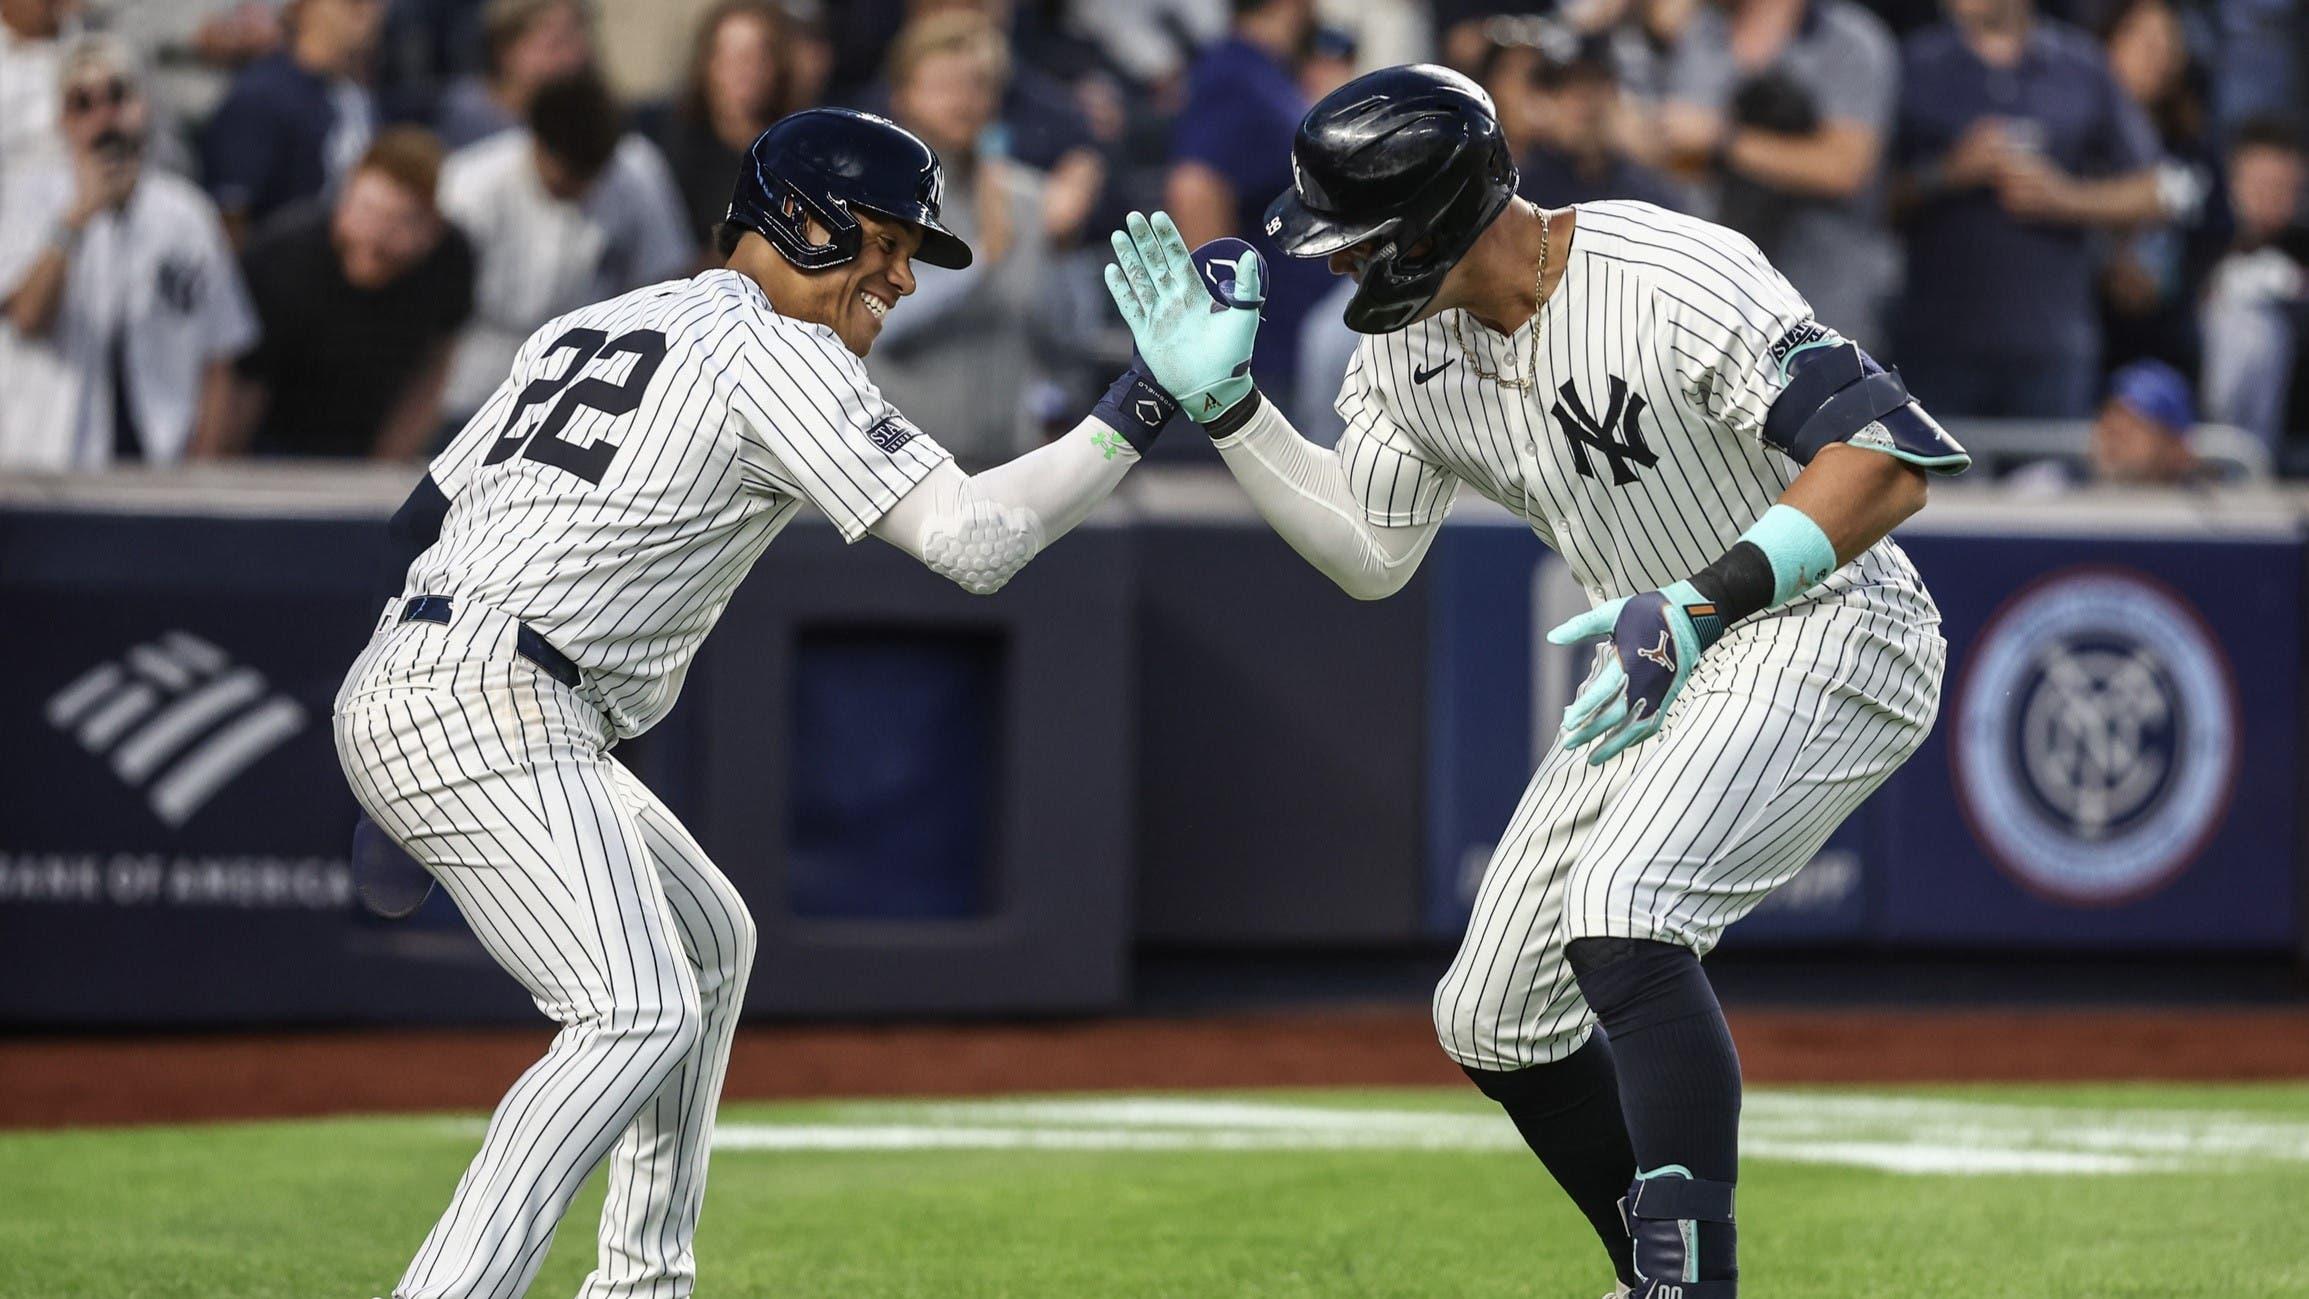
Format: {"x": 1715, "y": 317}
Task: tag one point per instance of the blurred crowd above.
{"x": 322, "y": 227}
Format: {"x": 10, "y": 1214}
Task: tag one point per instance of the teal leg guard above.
{"x": 1683, "y": 1236}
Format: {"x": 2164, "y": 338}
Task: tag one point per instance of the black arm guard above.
{"x": 1837, "y": 393}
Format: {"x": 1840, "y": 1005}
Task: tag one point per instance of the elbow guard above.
{"x": 1838, "y": 393}
{"x": 981, "y": 544}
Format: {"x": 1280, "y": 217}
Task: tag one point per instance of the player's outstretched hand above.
{"x": 1197, "y": 340}
{"x": 1655, "y": 637}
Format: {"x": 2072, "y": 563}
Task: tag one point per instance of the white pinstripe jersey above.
{"x": 1637, "y": 454}
{"x": 626, "y": 475}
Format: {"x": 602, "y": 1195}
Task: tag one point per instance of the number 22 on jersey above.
{"x": 544, "y": 442}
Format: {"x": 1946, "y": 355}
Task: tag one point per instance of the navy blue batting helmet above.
{"x": 1412, "y": 157}
{"x": 819, "y": 164}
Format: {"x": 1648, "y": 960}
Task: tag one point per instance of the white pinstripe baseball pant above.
{"x": 1786, "y": 725}
{"x": 585, "y": 888}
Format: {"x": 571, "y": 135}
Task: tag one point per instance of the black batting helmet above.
{"x": 1412, "y": 157}
{"x": 820, "y": 163}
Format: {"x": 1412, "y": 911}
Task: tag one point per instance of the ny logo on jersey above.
{"x": 1619, "y": 435}
{"x": 178, "y": 284}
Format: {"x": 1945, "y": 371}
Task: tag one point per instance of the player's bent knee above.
{"x": 1592, "y": 954}
{"x": 1620, "y": 977}
{"x": 683, "y": 1027}
{"x": 749, "y": 941}
{"x": 656, "y": 1025}
{"x": 728, "y": 977}
{"x": 1463, "y": 1038}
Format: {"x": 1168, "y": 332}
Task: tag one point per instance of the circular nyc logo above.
{"x": 2096, "y": 736}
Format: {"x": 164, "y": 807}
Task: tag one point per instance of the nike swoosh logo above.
{"x": 1422, "y": 376}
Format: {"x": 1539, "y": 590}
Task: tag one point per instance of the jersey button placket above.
{"x": 1532, "y": 467}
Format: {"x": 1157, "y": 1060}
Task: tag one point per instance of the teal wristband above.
{"x": 1800, "y": 553}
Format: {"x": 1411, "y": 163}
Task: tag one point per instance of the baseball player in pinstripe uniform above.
{"x": 573, "y": 545}
{"x": 1720, "y": 471}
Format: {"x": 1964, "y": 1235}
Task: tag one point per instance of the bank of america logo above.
{"x": 176, "y": 719}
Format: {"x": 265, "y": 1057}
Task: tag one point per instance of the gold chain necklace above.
{"x": 1531, "y": 365}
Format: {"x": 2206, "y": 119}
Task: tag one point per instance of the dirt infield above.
{"x": 60, "y": 1081}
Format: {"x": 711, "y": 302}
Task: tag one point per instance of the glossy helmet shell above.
{"x": 821, "y": 163}
{"x": 1412, "y": 157}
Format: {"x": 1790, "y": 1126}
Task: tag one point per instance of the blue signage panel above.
{"x": 176, "y": 846}
{"x": 2114, "y": 764}
{"x": 2115, "y": 759}
{"x": 1480, "y": 684}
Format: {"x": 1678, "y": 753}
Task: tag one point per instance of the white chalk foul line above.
{"x": 1892, "y": 1134}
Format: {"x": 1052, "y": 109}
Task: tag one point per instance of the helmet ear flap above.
{"x": 1406, "y": 274}
{"x": 786, "y": 224}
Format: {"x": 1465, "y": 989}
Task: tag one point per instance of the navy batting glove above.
{"x": 1136, "y": 407}
{"x": 1655, "y": 637}
{"x": 1222, "y": 264}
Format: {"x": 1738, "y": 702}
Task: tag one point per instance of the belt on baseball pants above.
{"x": 526, "y": 642}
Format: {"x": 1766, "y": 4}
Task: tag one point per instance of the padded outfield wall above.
{"x": 1168, "y": 731}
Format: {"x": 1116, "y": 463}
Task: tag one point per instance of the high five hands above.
{"x": 1194, "y": 316}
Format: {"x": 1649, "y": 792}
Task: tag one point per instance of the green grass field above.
{"x": 2010, "y": 1193}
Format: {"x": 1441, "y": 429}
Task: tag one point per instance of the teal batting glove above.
{"x": 1655, "y": 637}
{"x": 1198, "y": 345}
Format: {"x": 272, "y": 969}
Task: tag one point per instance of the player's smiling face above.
{"x": 865, "y": 289}
{"x": 851, "y": 299}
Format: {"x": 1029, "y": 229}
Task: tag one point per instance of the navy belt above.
{"x": 526, "y": 642}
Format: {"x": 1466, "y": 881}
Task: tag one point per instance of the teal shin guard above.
{"x": 1684, "y": 1238}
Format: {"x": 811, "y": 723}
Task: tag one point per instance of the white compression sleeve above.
{"x": 980, "y": 529}
{"x": 1302, "y": 491}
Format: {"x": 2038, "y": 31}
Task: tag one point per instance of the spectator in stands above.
{"x": 1783, "y": 108}
{"x": 1329, "y": 63}
{"x": 1509, "y": 73}
{"x": 293, "y": 122}
{"x": 124, "y": 309}
{"x": 809, "y": 52}
{"x": 361, "y": 301}
{"x": 2264, "y": 48}
{"x": 1231, "y": 155}
{"x": 972, "y": 333}
{"x": 1044, "y": 122}
{"x": 1645, "y": 35}
{"x": 2254, "y": 308}
{"x": 2151, "y": 278}
{"x": 1150, "y": 42}
{"x": 2016, "y": 147}
{"x": 30, "y": 50}
{"x": 195, "y": 47}
{"x": 525, "y": 44}
{"x": 1560, "y": 103}
{"x": 2141, "y": 437}
{"x": 737, "y": 85}
{"x": 568, "y": 211}
{"x": 423, "y": 47}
